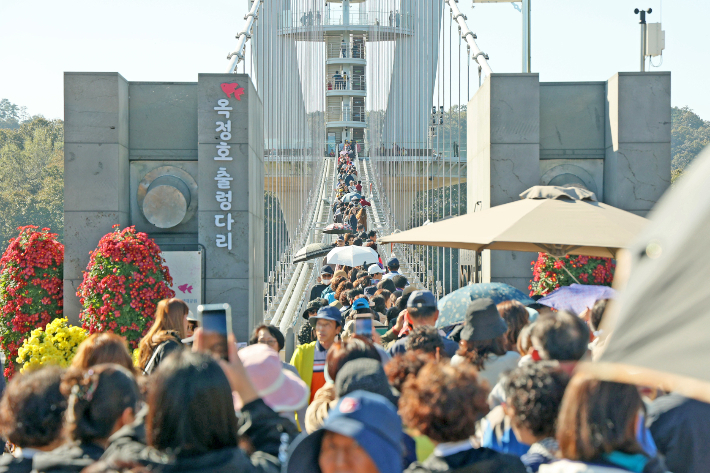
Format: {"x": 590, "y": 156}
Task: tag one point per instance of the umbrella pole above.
{"x": 567, "y": 270}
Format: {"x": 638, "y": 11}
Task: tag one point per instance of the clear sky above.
{"x": 160, "y": 40}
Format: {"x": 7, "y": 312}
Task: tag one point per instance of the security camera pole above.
{"x": 643, "y": 35}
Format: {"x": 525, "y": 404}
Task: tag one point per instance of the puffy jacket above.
{"x": 68, "y": 458}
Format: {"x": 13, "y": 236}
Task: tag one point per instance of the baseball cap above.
{"x": 326, "y": 270}
{"x": 421, "y": 300}
{"x": 361, "y": 304}
{"x": 374, "y": 269}
{"x": 369, "y": 419}
{"x": 370, "y": 291}
{"x": 327, "y": 313}
{"x": 392, "y": 262}
{"x": 483, "y": 321}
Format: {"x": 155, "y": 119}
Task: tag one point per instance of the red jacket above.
{"x": 359, "y": 188}
{"x": 365, "y": 203}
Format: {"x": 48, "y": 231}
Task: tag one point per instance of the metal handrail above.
{"x": 317, "y": 18}
{"x": 334, "y": 82}
{"x": 349, "y": 51}
{"x": 345, "y": 114}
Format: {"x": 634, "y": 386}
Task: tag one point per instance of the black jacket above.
{"x": 10, "y": 464}
{"x": 316, "y": 291}
{"x": 681, "y": 429}
{"x": 128, "y": 445}
{"x": 228, "y": 460}
{"x": 266, "y": 431}
{"x": 68, "y": 458}
{"x": 475, "y": 460}
{"x": 162, "y": 352}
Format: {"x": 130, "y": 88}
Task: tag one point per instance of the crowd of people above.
{"x": 372, "y": 387}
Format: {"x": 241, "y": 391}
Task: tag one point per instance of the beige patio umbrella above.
{"x": 554, "y": 220}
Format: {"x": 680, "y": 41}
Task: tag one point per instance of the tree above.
{"x": 11, "y": 115}
{"x": 32, "y": 177}
{"x": 689, "y": 135}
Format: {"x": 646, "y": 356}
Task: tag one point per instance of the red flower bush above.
{"x": 124, "y": 281}
{"x": 549, "y": 273}
{"x": 31, "y": 288}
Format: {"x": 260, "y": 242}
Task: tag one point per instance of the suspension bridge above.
{"x": 390, "y": 76}
{"x": 235, "y": 173}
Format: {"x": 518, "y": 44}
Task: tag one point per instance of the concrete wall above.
{"x": 637, "y": 166}
{"x": 504, "y": 159}
{"x": 612, "y": 137}
{"x": 116, "y": 132}
{"x": 95, "y": 170}
{"x": 233, "y": 275}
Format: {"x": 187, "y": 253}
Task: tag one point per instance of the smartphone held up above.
{"x": 216, "y": 326}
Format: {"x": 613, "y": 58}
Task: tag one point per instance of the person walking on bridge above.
{"x": 362, "y": 218}
{"x": 309, "y": 359}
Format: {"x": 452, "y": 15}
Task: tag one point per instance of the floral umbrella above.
{"x": 452, "y": 307}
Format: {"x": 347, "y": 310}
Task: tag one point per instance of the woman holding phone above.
{"x": 165, "y": 336}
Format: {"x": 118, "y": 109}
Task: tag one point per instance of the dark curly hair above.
{"x": 425, "y": 338}
{"x": 406, "y": 366}
{"x": 534, "y": 392}
{"x": 32, "y": 408}
{"x": 342, "y": 288}
{"x": 444, "y": 402}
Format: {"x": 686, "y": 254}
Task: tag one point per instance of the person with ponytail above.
{"x": 31, "y": 417}
{"x": 165, "y": 336}
{"x": 101, "y": 400}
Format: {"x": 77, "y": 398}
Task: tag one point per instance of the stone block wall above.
{"x": 612, "y": 137}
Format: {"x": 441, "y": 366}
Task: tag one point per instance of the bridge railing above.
{"x": 336, "y": 82}
{"x": 345, "y": 114}
{"x": 354, "y": 51}
{"x": 324, "y": 18}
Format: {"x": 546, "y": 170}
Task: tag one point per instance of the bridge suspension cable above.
{"x": 383, "y": 75}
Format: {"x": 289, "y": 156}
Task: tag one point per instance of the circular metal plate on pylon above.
{"x": 167, "y": 196}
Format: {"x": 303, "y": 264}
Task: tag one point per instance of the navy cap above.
{"x": 421, "y": 300}
{"x": 327, "y": 313}
{"x": 370, "y": 291}
{"x": 392, "y": 262}
{"x": 368, "y": 418}
{"x": 326, "y": 270}
{"x": 361, "y": 304}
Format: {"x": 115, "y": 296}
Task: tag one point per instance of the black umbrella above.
{"x": 314, "y": 250}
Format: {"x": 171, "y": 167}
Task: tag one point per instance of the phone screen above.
{"x": 363, "y": 326}
{"x": 215, "y": 327}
